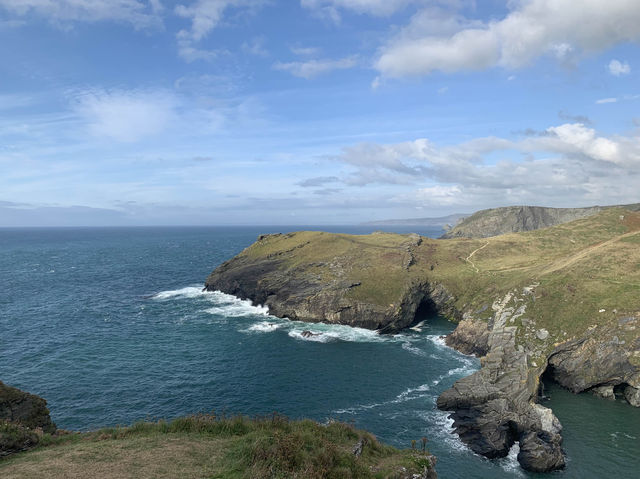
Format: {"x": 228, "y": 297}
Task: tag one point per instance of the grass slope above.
{"x": 206, "y": 446}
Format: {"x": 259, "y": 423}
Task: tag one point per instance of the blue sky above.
{"x": 140, "y": 112}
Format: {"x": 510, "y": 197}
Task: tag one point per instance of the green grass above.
{"x": 216, "y": 447}
{"x": 581, "y": 267}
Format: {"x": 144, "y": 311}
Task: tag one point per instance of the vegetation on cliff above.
{"x": 215, "y": 447}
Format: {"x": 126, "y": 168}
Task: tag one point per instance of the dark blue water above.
{"x": 110, "y": 325}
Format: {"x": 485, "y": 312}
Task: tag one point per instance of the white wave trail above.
{"x": 188, "y": 292}
{"x": 262, "y": 327}
{"x": 510, "y": 463}
{"x": 437, "y": 340}
{"x": 326, "y": 333}
{"x": 222, "y": 304}
{"x": 406, "y": 395}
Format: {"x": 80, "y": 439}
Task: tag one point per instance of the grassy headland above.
{"x": 206, "y": 446}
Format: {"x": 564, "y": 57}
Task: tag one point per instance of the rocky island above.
{"x": 562, "y": 300}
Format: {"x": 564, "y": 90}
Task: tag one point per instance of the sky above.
{"x": 230, "y": 112}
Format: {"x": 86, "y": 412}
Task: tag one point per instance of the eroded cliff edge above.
{"x": 564, "y": 298}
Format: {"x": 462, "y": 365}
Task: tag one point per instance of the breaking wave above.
{"x": 223, "y": 304}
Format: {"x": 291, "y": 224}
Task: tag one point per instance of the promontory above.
{"x": 563, "y": 300}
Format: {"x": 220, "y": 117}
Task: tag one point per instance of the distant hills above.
{"x": 441, "y": 221}
{"x": 514, "y": 219}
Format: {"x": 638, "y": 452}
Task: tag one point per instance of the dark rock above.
{"x": 541, "y": 452}
{"x": 25, "y": 409}
{"x": 598, "y": 359}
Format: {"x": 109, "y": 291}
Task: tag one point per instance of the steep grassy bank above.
{"x": 206, "y": 446}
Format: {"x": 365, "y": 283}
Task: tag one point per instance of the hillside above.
{"x": 514, "y": 219}
{"x": 441, "y": 221}
{"x": 567, "y": 297}
{"x": 212, "y": 447}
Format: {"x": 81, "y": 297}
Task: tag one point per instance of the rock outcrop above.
{"x": 600, "y": 360}
{"x": 23, "y": 419}
{"x": 23, "y": 408}
{"x": 495, "y": 407}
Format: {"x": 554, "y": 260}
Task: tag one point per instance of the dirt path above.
{"x": 565, "y": 262}
{"x": 468, "y": 258}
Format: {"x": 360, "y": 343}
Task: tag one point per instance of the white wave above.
{"x": 325, "y": 333}
{"x": 407, "y": 346}
{"x": 438, "y": 340}
{"x": 238, "y": 310}
{"x": 188, "y": 292}
{"x": 406, "y": 395}
{"x": 223, "y": 304}
{"x": 409, "y": 394}
{"x": 315, "y": 337}
{"x": 262, "y": 327}
{"x": 510, "y": 463}
{"x": 444, "y": 430}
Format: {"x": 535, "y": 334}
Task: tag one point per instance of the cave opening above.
{"x": 426, "y": 311}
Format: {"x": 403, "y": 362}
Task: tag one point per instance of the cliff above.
{"x": 514, "y": 219}
{"x": 563, "y": 299}
{"x": 24, "y": 418}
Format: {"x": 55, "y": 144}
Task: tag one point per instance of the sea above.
{"x": 111, "y": 326}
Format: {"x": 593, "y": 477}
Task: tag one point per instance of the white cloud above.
{"x": 569, "y": 164}
{"x": 438, "y": 194}
{"x": 374, "y": 7}
{"x": 139, "y": 13}
{"x": 256, "y": 46}
{"x": 531, "y": 29}
{"x": 205, "y": 15}
{"x": 305, "y": 51}
{"x": 312, "y": 68}
{"x": 603, "y": 101}
{"x": 617, "y": 68}
{"x": 125, "y": 116}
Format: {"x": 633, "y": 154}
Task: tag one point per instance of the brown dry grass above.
{"x": 129, "y": 458}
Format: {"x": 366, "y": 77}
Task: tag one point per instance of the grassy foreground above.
{"x": 206, "y": 446}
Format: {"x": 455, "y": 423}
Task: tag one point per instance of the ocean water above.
{"x": 110, "y": 325}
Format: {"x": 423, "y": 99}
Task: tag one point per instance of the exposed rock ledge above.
{"x": 532, "y": 320}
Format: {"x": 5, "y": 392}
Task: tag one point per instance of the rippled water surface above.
{"x": 111, "y": 326}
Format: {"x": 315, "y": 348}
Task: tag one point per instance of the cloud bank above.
{"x": 532, "y": 29}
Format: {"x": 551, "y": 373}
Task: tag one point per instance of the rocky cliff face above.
{"x": 23, "y": 417}
{"x": 563, "y": 300}
{"x": 514, "y": 219}
{"x": 25, "y": 409}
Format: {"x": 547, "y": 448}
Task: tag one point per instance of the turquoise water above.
{"x": 110, "y": 325}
